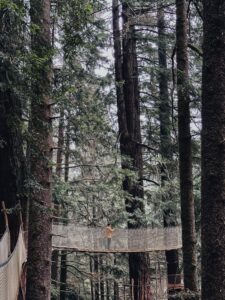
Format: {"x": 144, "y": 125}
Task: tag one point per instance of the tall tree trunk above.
{"x": 213, "y": 151}
{"x": 102, "y": 285}
{"x": 63, "y": 267}
{"x": 118, "y": 75}
{"x": 115, "y": 284}
{"x": 91, "y": 279}
{"x": 63, "y": 275}
{"x": 130, "y": 137}
{"x": 96, "y": 271}
{"x": 107, "y": 289}
{"x": 165, "y": 138}
{"x": 59, "y": 158}
{"x": 185, "y": 151}
{"x": 138, "y": 262}
{"x": 39, "y": 237}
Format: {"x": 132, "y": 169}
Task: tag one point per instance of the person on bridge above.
{"x": 108, "y": 233}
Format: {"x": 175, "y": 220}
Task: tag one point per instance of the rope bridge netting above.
{"x": 94, "y": 239}
{"x": 11, "y": 266}
{"x": 86, "y": 239}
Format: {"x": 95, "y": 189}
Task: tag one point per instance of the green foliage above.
{"x": 84, "y": 89}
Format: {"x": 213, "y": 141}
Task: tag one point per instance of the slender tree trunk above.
{"x": 63, "y": 267}
{"x": 213, "y": 151}
{"x": 115, "y": 284}
{"x": 96, "y": 271}
{"x": 185, "y": 151}
{"x": 91, "y": 271}
{"x": 102, "y": 285}
{"x": 165, "y": 137}
{"x": 130, "y": 136}
{"x": 118, "y": 75}
{"x": 39, "y": 238}
{"x": 59, "y": 158}
{"x": 107, "y": 289}
{"x": 63, "y": 275}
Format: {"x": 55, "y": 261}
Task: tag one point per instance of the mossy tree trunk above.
{"x": 39, "y": 236}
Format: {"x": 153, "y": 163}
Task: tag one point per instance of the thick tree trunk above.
{"x": 39, "y": 237}
{"x": 185, "y": 151}
{"x": 126, "y": 72}
{"x": 213, "y": 151}
{"x": 138, "y": 262}
{"x": 165, "y": 138}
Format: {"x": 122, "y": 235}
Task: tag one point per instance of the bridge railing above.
{"x": 94, "y": 239}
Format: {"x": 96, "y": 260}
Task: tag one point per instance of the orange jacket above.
{"x": 108, "y": 232}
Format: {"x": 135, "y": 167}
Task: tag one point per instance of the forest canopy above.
{"x": 112, "y": 125}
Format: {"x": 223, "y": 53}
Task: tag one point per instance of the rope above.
{"x": 94, "y": 239}
{"x": 11, "y": 269}
{"x": 5, "y": 246}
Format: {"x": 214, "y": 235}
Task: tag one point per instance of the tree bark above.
{"x": 102, "y": 285}
{"x": 59, "y": 158}
{"x": 39, "y": 237}
{"x": 213, "y": 151}
{"x": 126, "y": 72}
{"x": 138, "y": 262}
{"x": 115, "y": 283}
{"x": 185, "y": 151}
{"x": 91, "y": 278}
{"x": 165, "y": 140}
{"x": 63, "y": 267}
{"x": 118, "y": 74}
{"x": 96, "y": 271}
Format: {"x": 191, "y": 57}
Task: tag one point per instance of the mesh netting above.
{"x": 11, "y": 269}
{"x": 5, "y": 246}
{"x": 94, "y": 239}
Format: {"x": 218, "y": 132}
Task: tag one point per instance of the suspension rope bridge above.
{"x": 81, "y": 239}
{"x": 94, "y": 239}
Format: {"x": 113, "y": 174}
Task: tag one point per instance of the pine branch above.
{"x": 194, "y": 48}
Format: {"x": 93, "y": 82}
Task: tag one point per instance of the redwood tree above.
{"x": 185, "y": 151}
{"x": 39, "y": 238}
{"x": 213, "y": 151}
{"x": 126, "y": 73}
{"x": 165, "y": 138}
